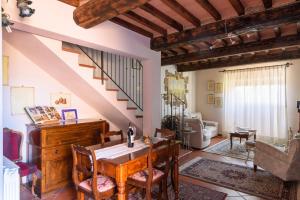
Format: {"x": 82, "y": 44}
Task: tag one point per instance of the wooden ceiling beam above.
{"x": 180, "y": 10}
{"x": 240, "y": 61}
{"x": 267, "y": 19}
{"x": 162, "y": 16}
{"x": 261, "y": 45}
{"x": 238, "y": 6}
{"x": 132, "y": 27}
{"x": 267, "y": 4}
{"x": 210, "y": 9}
{"x": 74, "y": 3}
{"x": 146, "y": 22}
{"x": 97, "y": 11}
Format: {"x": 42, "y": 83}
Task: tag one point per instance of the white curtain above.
{"x": 256, "y": 98}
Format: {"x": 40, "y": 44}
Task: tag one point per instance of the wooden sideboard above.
{"x": 49, "y": 147}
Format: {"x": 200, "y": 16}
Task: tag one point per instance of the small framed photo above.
{"x": 69, "y": 114}
{"x": 218, "y": 102}
{"x": 211, "y": 85}
{"x": 60, "y": 99}
{"x": 211, "y": 99}
{"x": 219, "y": 88}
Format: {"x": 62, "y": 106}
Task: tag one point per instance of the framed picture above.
{"x": 5, "y": 69}
{"x": 211, "y": 99}
{"x": 219, "y": 88}
{"x": 21, "y": 97}
{"x": 69, "y": 114}
{"x": 60, "y": 99}
{"x": 218, "y": 102}
{"x": 211, "y": 85}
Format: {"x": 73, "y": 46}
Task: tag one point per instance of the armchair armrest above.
{"x": 271, "y": 150}
{"x": 210, "y": 123}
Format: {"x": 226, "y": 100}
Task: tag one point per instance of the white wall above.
{"x": 191, "y": 95}
{"x": 23, "y": 72}
{"x": 209, "y": 112}
{"x": 54, "y": 19}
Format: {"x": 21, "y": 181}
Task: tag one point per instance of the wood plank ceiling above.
{"x": 202, "y": 34}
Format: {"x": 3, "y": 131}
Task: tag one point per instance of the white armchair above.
{"x": 203, "y": 131}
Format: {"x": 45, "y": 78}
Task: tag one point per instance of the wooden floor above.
{"x": 68, "y": 193}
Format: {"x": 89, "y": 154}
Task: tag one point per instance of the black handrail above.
{"x": 138, "y": 66}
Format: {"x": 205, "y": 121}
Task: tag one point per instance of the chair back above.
{"x": 160, "y": 152}
{"x": 12, "y": 144}
{"x": 108, "y": 134}
{"x": 165, "y": 133}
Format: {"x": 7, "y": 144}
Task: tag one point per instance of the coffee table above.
{"x": 242, "y": 134}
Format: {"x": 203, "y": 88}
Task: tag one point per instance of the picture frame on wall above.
{"x": 218, "y": 102}
{"x": 210, "y": 85}
{"x": 60, "y": 99}
{"x": 69, "y": 114}
{"x": 219, "y": 88}
{"x": 211, "y": 99}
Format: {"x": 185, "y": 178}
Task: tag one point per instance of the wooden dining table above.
{"x": 122, "y": 167}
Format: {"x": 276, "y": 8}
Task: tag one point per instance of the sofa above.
{"x": 202, "y": 130}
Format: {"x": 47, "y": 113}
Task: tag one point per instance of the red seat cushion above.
{"x": 26, "y": 168}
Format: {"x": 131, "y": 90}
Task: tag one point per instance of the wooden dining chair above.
{"x": 86, "y": 178}
{"x": 165, "y": 133}
{"x": 107, "y": 135}
{"x": 150, "y": 176}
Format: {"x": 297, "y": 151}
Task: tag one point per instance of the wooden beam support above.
{"x": 132, "y": 27}
{"x": 180, "y": 10}
{"x": 74, "y": 3}
{"x": 240, "y": 61}
{"x": 261, "y": 45}
{"x": 267, "y": 4}
{"x": 238, "y": 6}
{"x": 267, "y": 19}
{"x": 146, "y": 22}
{"x": 162, "y": 16}
{"x": 210, "y": 9}
{"x": 97, "y": 11}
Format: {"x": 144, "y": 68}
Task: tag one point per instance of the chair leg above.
{"x": 80, "y": 195}
{"x": 34, "y": 179}
{"x": 160, "y": 190}
{"x": 148, "y": 194}
{"x": 255, "y": 168}
{"x": 165, "y": 188}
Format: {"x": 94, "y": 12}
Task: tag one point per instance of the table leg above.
{"x": 230, "y": 142}
{"x": 121, "y": 190}
{"x": 176, "y": 178}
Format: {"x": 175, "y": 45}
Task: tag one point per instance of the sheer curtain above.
{"x": 256, "y": 98}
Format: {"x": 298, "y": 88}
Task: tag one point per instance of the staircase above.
{"x": 120, "y": 74}
{"x": 102, "y": 90}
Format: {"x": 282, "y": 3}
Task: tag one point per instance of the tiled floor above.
{"x": 68, "y": 193}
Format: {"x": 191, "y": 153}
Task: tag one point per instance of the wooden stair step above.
{"x": 131, "y": 108}
{"x": 139, "y": 116}
{"x": 99, "y": 78}
{"x": 112, "y": 89}
{"x": 122, "y": 99}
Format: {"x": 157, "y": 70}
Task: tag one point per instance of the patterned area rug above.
{"x": 187, "y": 191}
{"x": 239, "y": 178}
{"x": 238, "y": 149}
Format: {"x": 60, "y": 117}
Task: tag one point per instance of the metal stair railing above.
{"x": 172, "y": 112}
{"x": 124, "y": 72}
